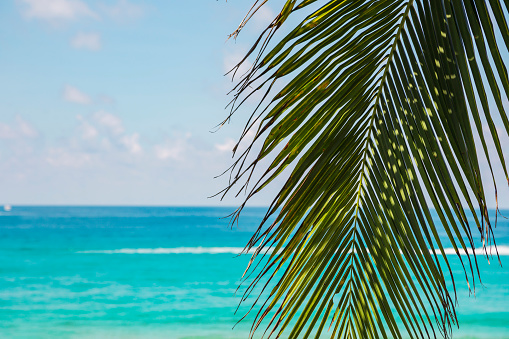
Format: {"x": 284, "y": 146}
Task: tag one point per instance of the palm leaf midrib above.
{"x": 360, "y": 186}
{"x": 374, "y": 109}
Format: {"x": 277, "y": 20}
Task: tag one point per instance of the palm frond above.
{"x": 380, "y": 107}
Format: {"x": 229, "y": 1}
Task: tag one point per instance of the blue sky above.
{"x": 111, "y": 101}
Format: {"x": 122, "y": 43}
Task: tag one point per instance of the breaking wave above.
{"x": 502, "y": 250}
{"x": 176, "y": 250}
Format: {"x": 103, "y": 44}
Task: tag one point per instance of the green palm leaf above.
{"x": 381, "y": 102}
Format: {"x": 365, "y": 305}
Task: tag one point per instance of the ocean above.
{"x": 163, "y": 272}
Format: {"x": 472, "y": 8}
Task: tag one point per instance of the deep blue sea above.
{"x": 162, "y": 272}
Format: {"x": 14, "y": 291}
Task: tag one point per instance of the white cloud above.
{"x": 72, "y": 94}
{"x": 174, "y": 149}
{"x": 131, "y": 142}
{"x": 109, "y": 121}
{"x": 90, "y": 41}
{"x": 106, "y": 132}
{"x": 167, "y": 152}
{"x": 227, "y": 146}
{"x": 62, "y": 157}
{"x": 263, "y": 17}
{"x": 106, "y": 99}
{"x": 231, "y": 60}
{"x": 18, "y": 130}
{"x": 101, "y": 161}
{"x": 6, "y": 131}
{"x": 123, "y": 11}
{"x": 87, "y": 130}
{"x": 26, "y": 130}
{"x": 54, "y": 11}
{"x": 98, "y": 139}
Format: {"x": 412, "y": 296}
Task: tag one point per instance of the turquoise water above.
{"x": 140, "y": 272}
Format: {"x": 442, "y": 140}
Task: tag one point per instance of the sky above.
{"x": 111, "y": 102}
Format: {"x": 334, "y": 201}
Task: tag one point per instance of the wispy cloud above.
{"x": 102, "y": 161}
{"x": 132, "y": 143}
{"x": 123, "y": 11}
{"x": 63, "y": 157}
{"x": 87, "y": 130}
{"x": 175, "y": 148}
{"x": 112, "y": 123}
{"x": 106, "y": 99}
{"x": 56, "y": 11}
{"x": 72, "y": 94}
{"x": 227, "y": 146}
{"x": 90, "y": 41}
{"x": 263, "y": 17}
{"x": 98, "y": 139}
{"x": 232, "y": 58}
{"x": 6, "y": 131}
{"x": 20, "y": 129}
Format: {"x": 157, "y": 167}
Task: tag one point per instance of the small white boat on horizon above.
{"x": 7, "y": 208}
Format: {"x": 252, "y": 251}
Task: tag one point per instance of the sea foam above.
{"x": 176, "y": 250}
{"x": 490, "y": 250}
{"x": 502, "y": 250}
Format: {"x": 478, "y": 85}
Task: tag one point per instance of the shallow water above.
{"x": 140, "y": 272}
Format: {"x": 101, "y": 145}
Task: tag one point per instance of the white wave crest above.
{"x": 176, "y": 250}
{"x": 491, "y": 250}
{"x": 502, "y": 250}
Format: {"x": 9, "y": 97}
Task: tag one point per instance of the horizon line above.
{"x": 492, "y": 208}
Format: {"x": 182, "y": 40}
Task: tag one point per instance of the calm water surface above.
{"x": 140, "y": 272}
